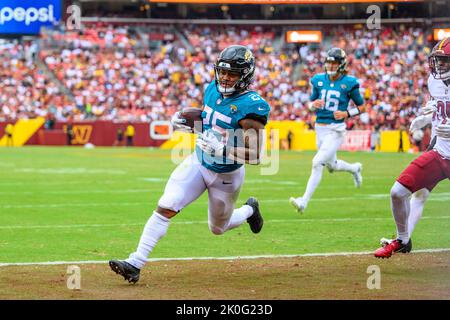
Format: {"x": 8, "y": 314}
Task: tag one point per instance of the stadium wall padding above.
{"x": 23, "y": 130}
{"x": 104, "y": 133}
{"x": 99, "y": 133}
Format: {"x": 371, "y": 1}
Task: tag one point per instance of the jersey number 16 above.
{"x": 331, "y": 98}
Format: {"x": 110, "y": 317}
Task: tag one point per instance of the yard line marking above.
{"x": 70, "y": 171}
{"x": 299, "y": 220}
{"x": 438, "y": 197}
{"x": 79, "y": 191}
{"x": 63, "y": 205}
{"x": 269, "y": 256}
{"x": 154, "y": 179}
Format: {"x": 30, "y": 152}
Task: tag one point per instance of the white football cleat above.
{"x": 298, "y": 203}
{"x": 357, "y": 176}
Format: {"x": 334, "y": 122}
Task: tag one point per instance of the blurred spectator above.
{"x": 375, "y": 138}
{"x": 129, "y": 133}
{"x": 290, "y": 136}
{"x": 68, "y": 130}
{"x": 119, "y": 137}
{"x": 9, "y": 131}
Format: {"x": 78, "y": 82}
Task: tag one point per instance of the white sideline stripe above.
{"x": 331, "y": 254}
{"x": 71, "y": 192}
{"x": 443, "y": 196}
{"x": 99, "y": 225}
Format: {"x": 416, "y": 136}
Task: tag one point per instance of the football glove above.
{"x": 313, "y": 106}
{"x": 430, "y": 107}
{"x": 419, "y": 122}
{"x": 443, "y": 131}
{"x": 210, "y": 144}
{"x": 179, "y": 123}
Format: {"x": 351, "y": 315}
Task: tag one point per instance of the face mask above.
{"x": 331, "y": 73}
{"x": 225, "y": 91}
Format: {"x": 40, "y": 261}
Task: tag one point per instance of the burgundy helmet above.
{"x": 439, "y": 60}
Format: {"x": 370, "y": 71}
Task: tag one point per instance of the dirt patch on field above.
{"x": 410, "y": 276}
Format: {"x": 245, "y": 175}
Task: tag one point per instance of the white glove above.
{"x": 313, "y": 106}
{"x": 430, "y": 107}
{"x": 420, "y": 122}
{"x": 179, "y": 123}
{"x": 443, "y": 131}
{"x": 210, "y": 144}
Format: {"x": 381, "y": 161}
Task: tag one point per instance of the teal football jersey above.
{"x": 336, "y": 94}
{"x": 221, "y": 115}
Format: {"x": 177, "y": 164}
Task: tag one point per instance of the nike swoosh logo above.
{"x": 224, "y": 182}
{"x": 261, "y": 109}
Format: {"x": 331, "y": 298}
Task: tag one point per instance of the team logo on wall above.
{"x": 81, "y": 134}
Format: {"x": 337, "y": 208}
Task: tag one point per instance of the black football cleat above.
{"x": 256, "y": 220}
{"x": 126, "y": 270}
{"x": 406, "y": 248}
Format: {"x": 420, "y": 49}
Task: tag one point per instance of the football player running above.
{"x": 330, "y": 98}
{"x": 233, "y": 121}
{"x": 433, "y": 166}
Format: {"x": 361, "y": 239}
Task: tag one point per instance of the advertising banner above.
{"x": 28, "y": 16}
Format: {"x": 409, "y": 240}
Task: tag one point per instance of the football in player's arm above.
{"x": 233, "y": 118}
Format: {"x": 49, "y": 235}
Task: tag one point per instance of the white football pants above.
{"x": 328, "y": 138}
{"x": 188, "y": 182}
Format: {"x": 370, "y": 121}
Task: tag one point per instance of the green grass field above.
{"x": 75, "y": 204}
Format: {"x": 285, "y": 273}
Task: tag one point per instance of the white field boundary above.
{"x": 436, "y": 197}
{"x": 330, "y": 254}
{"x": 299, "y": 220}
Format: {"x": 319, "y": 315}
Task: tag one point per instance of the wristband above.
{"x": 353, "y": 112}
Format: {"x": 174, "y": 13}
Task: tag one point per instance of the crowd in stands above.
{"x": 113, "y": 73}
{"x": 25, "y": 91}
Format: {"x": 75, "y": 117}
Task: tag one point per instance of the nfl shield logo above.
{"x": 320, "y": 83}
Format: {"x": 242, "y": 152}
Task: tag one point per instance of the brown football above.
{"x": 193, "y": 117}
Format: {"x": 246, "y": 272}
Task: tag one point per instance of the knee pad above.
{"x": 318, "y": 163}
{"x": 216, "y": 230}
{"x": 331, "y": 166}
{"x": 398, "y": 191}
{"x": 421, "y": 195}
{"x": 170, "y": 201}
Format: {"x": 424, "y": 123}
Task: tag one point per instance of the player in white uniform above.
{"x": 233, "y": 120}
{"x": 433, "y": 166}
{"x": 331, "y": 94}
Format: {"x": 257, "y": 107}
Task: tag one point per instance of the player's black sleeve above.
{"x": 432, "y": 143}
{"x": 256, "y": 117}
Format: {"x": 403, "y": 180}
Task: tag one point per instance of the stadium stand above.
{"x": 137, "y": 73}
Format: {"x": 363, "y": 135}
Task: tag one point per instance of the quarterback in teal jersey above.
{"x": 233, "y": 121}
{"x": 331, "y": 93}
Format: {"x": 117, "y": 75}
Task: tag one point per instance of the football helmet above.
{"x": 439, "y": 60}
{"x": 237, "y": 59}
{"x": 336, "y": 55}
